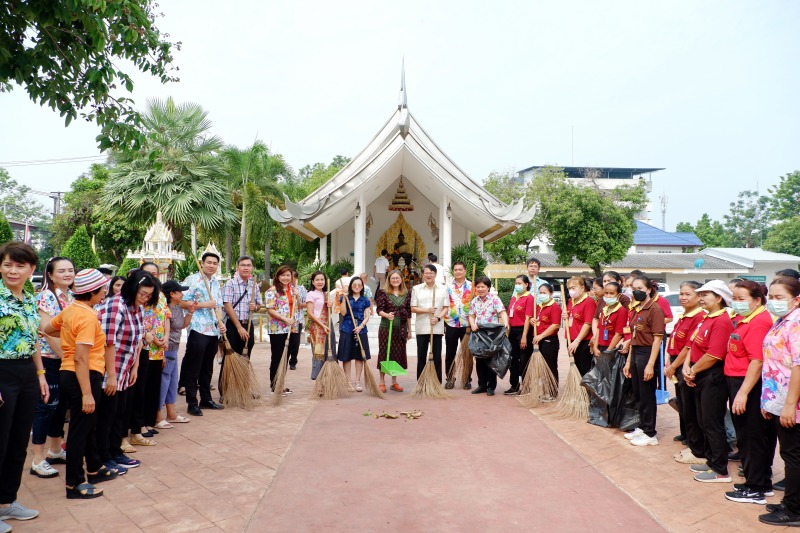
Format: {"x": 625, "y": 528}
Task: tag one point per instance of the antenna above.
{"x": 572, "y": 145}
{"x": 664, "y": 200}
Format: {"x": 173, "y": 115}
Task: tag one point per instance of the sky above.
{"x": 707, "y": 90}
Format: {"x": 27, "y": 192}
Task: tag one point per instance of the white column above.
{"x": 323, "y": 249}
{"x": 360, "y": 236}
{"x": 479, "y": 241}
{"x": 445, "y": 234}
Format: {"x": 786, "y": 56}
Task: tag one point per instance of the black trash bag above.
{"x": 599, "y": 383}
{"x": 488, "y": 341}
{"x": 623, "y": 411}
{"x": 501, "y": 360}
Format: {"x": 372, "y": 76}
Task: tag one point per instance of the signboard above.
{"x": 760, "y": 279}
{"x": 501, "y": 271}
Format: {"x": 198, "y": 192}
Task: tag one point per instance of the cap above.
{"x": 88, "y": 280}
{"x": 173, "y": 286}
{"x": 720, "y": 288}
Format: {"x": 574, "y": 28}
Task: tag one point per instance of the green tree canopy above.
{"x": 6, "y": 234}
{"x": 712, "y": 233}
{"x": 785, "y": 197}
{"x": 79, "y": 249}
{"x": 785, "y": 237}
{"x": 748, "y": 219}
{"x": 66, "y": 54}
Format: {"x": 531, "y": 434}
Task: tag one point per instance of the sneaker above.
{"x": 772, "y": 507}
{"x": 644, "y": 440}
{"x": 59, "y": 458}
{"x": 4, "y": 528}
{"x": 17, "y": 512}
{"x": 709, "y": 476}
{"x": 513, "y": 391}
{"x": 127, "y": 462}
{"x": 746, "y": 496}
{"x": 699, "y": 468}
{"x": 43, "y": 469}
{"x": 780, "y": 517}
{"x": 633, "y": 434}
{"x": 679, "y": 438}
{"x": 468, "y": 385}
{"x": 742, "y": 486}
{"x": 121, "y": 470}
{"x": 780, "y": 485}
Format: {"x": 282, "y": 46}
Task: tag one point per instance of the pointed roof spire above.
{"x": 402, "y": 101}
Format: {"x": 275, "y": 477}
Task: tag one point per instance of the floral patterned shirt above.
{"x": 459, "y": 298}
{"x": 155, "y": 318}
{"x": 46, "y": 301}
{"x": 487, "y": 310}
{"x": 280, "y": 303}
{"x": 204, "y": 321}
{"x": 19, "y": 325}
{"x": 781, "y": 355}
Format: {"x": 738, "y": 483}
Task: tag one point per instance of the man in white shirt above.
{"x": 441, "y": 272}
{"x": 429, "y": 302}
{"x": 381, "y": 268}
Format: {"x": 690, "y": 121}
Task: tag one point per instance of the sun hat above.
{"x": 88, "y": 280}
{"x": 720, "y": 288}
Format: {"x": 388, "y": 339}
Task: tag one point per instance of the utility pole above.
{"x": 663, "y": 198}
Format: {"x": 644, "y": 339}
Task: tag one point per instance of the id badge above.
{"x": 605, "y": 334}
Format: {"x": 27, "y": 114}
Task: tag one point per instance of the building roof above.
{"x": 647, "y": 235}
{"x": 655, "y": 262}
{"x": 605, "y": 172}
{"x": 748, "y": 256}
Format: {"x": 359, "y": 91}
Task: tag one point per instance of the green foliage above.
{"x": 67, "y": 54}
{"x": 184, "y": 269}
{"x": 469, "y": 254}
{"x": 127, "y": 265}
{"x": 79, "y": 249}
{"x": 28, "y": 287}
{"x": 17, "y": 203}
{"x": 785, "y": 237}
{"x": 336, "y": 268}
{"x": 785, "y": 197}
{"x": 712, "y": 233}
{"x": 5, "y": 230}
{"x": 509, "y": 188}
{"x": 312, "y": 177}
{"x": 748, "y": 219}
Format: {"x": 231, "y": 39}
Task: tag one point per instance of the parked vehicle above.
{"x": 674, "y": 304}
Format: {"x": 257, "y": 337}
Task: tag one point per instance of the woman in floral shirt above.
{"x": 780, "y": 391}
{"x": 54, "y": 297}
{"x": 485, "y": 308}
{"x": 282, "y": 303}
{"x": 156, "y": 321}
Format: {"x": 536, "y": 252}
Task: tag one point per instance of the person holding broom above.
{"x": 429, "y": 302}
{"x": 354, "y": 323}
{"x": 393, "y": 304}
{"x": 579, "y": 314}
{"x": 240, "y": 299}
{"x": 280, "y": 301}
{"x": 520, "y": 313}
{"x": 319, "y": 326}
{"x": 486, "y": 308}
{"x": 547, "y": 322}
{"x": 459, "y": 293}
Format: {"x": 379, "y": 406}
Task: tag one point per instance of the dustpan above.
{"x": 390, "y": 367}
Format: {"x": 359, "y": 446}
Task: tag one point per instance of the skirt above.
{"x": 349, "y": 350}
{"x": 398, "y": 350}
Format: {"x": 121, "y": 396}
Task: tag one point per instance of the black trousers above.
{"x": 678, "y": 396}
{"x": 197, "y": 367}
{"x": 138, "y": 393}
{"x": 82, "y": 438}
{"x": 20, "y": 389}
{"x": 452, "y": 338}
{"x": 752, "y": 436}
{"x": 691, "y": 421}
{"x": 277, "y": 343}
{"x": 711, "y": 396}
{"x": 152, "y": 391}
{"x": 789, "y": 439}
{"x": 549, "y": 347}
{"x": 584, "y": 359}
{"x": 486, "y": 376}
{"x": 519, "y": 356}
{"x": 236, "y": 342}
{"x": 423, "y": 342}
{"x": 294, "y": 346}
{"x": 644, "y": 391}
{"x": 113, "y": 414}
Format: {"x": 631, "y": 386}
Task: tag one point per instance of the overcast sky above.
{"x": 707, "y": 90}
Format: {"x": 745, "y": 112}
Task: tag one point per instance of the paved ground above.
{"x": 469, "y": 462}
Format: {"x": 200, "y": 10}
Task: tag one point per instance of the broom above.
{"x": 331, "y": 383}
{"x": 428, "y": 384}
{"x": 574, "y": 401}
{"x": 539, "y": 381}
{"x": 280, "y": 376}
{"x": 238, "y": 380}
{"x": 462, "y": 364}
{"x": 369, "y": 379}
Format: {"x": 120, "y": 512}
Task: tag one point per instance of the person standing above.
{"x": 579, "y": 314}
{"x": 22, "y": 376}
{"x": 613, "y": 319}
{"x": 318, "y": 322}
{"x": 48, "y": 422}
{"x": 241, "y": 298}
{"x": 280, "y": 301}
{"x": 393, "y": 304}
{"x": 368, "y": 294}
{"x": 178, "y": 321}
{"x": 547, "y": 322}
{"x": 441, "y": 272}
{"x": 429, "y": 302}
{"x": 486, "y": 308}
{"x": 456, "y": 321}
{"x": 520, "y": 313}
{"x": 205, "y": 329}
{"x": 534, "y": 265}
{"x": 380, "y": 268}
{"x": 355, "y": 313}
{"x": 300, "y": 314}
{"x": 82, "y": 368}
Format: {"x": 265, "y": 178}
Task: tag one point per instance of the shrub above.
{"x": 79, "y": 249}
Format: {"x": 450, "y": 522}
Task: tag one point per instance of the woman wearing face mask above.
{"x": 742, "y": 368}
{"x": 613, "y": 318}
{"x": 520, "y": 312}
{"x": 703, "y": 371}
{"x": 580, "y": 310}
{"x": 780, "y": 392}
{"x": 548, "y": 322}
{"x": 678, "y": 349}
{"x": 646, "y": 322}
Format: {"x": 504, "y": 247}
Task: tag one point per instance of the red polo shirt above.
{"x": 682, "y": 333}
{"x": 548, "y": 315}
{"x": 746, "y": 341}
{"x": 520, "y": 310}
{"x": 711, "y": 336}
{"x": 579, "y": 314}
{"x": 611, "y": 324}
{"x": 664, "y": 305}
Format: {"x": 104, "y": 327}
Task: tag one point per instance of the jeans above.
{"x": 169, "y": 380}
{"x": 48, "y": 421}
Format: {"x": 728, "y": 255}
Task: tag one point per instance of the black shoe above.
{"x": 449, "y": 385}
{"x": 772, "y": 507}
{"x": 148, "y": 434}
{"x": 780, "y": 485}
{"x": 194, "y": 410}
{"x": 735, "y": 456}
{"x": 292, "y": 367}
{"x": 679, "y": 438}
{"x": 154, "y": 431}
{"x": 468, "y": 385}
{"x": 489, "y": 392}
{"x": 479, "y": 390}
{"x": 742, "y": 486}
{"x": 211, "y": 405}
{"x": 780, "y": 517}
{"x": 746, "y": 496}
{"x": 513, "y": 391}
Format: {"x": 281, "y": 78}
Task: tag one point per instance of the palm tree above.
{"x": 175, "y": 171}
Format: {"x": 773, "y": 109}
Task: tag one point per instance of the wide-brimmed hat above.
{"x": 88, "y": 280}
{"x": 173, "y": 286}
{"x": 720, "y": 288}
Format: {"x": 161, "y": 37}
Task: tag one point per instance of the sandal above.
{"x": 382, "y": 387}
{"x": 126, "y": 447}
{"x": 182, "y": 391}
{"x": 164, "y": 425}
{"x": 84, "y": 491}
{"x": 103, "y": 474}
{"x": 138, "y": 440}
{"x": 396, "y": 387}
{"x": 179, "y": 420}
{"x": 358, "y": 386}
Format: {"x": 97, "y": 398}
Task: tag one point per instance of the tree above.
{"x": 127, "y": 265}
{"x": 5, "y": 230}
{"x": 17, "y": 204}
{"x": 711, "y": 233}
{"x": 175, "y": 171}
{"x": 784, "y": 237}
{"x": 79, "y": 249}
{"x": 509, "y": 188}
{"x": 748, "y": 219}
{"x": 785, "y": 197}
{"x": 65, "y": 53}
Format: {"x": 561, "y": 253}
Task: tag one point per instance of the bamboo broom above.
{"x": 539, "y": 382}
{"x": 574, "y": 401}
{"x": 428, "y": 384}
{"x": 331, "y": 383}
{"x": 369, "y": 379}
{"x": 279, "y": 384}
{"x": 239, "y": 382}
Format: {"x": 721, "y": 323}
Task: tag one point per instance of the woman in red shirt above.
{"x": 520, "y": 311}
{"x": 678, "y": 349}
{"x": 703, "y": 371}
{"x": 547, "y": 322}
{"x": 755, "y": 436}
{"x": 612, "y": 319}
{"x": 580, "y": 311}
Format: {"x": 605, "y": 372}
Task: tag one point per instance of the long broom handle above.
{"x": 246, "y": 349}
{"x": 358, "y": 335}
{"x": 286, "y": 344}
{"x": 433, "y": 306}
{"x": 210, "y": 297}
{"x": 566, "y": 329}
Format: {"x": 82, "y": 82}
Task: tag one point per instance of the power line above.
{"x": 54, "y": 161}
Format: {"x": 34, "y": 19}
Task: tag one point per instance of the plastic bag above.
{"x": 611, "y": 399}
{"x": 487, "y": 341}
{"x": 501, "y": 360}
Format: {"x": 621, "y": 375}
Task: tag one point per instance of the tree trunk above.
{"x": 228, "y": 247}
{"x": 243, "y": 233}
{"x": 598, "y": 270}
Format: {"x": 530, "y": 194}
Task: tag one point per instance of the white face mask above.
{"x": 573, "y": 293}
